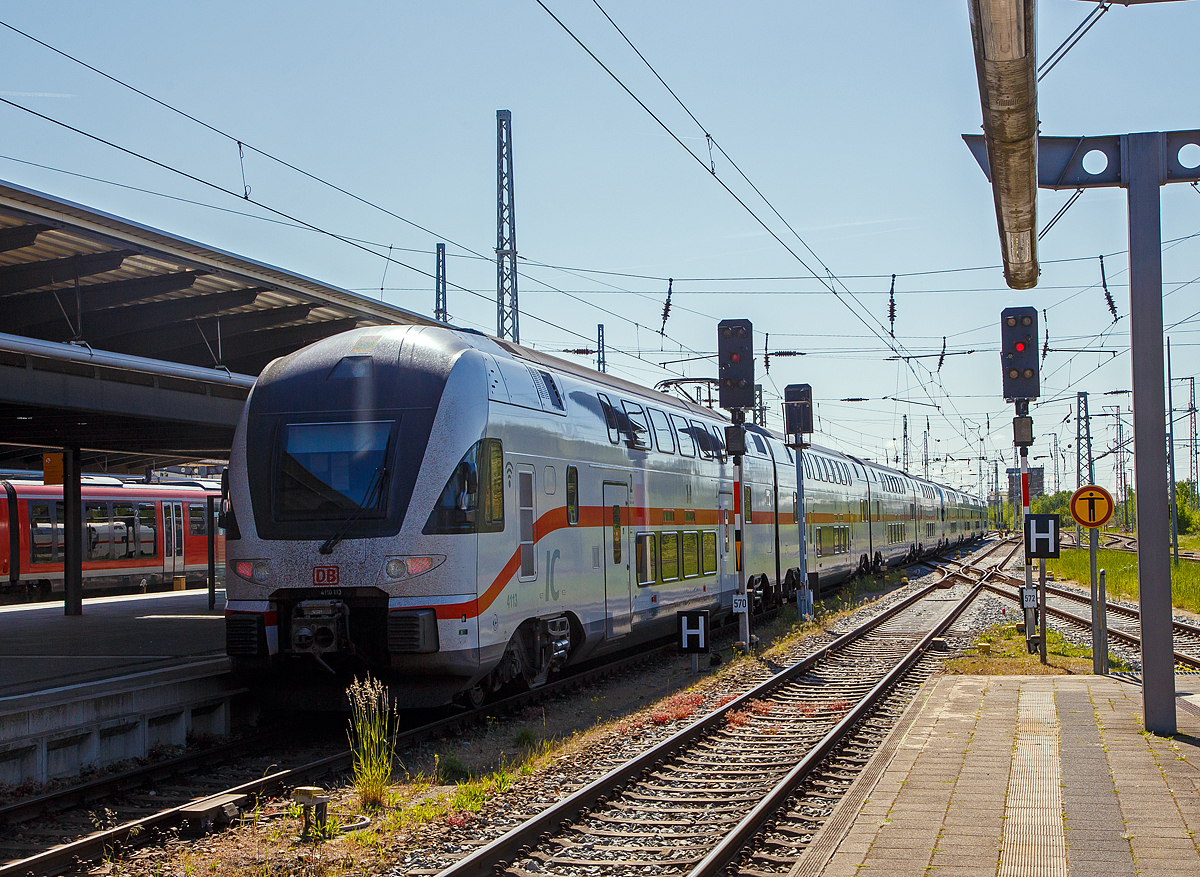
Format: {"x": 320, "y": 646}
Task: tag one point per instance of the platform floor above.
{"x": 41, "y": 648}
{"x": 1022, "y": 776}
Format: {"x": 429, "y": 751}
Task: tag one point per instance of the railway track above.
{"x": 1118, "y": 542}
{"x": 120, "y": 812}
{"x": 1124, "y": 622}
{"x": 59, "y": 830}
{"x": 748, "y": 784}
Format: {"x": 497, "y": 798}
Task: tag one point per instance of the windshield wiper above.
{"x": 376, "y": 483}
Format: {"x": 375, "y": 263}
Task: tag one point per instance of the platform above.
{"x": 131, "y": 674}
{"x": 40, "y": 648}
{"x": 1022, "y": 776}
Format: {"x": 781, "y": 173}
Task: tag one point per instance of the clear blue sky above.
{"x": 848, "y": 116}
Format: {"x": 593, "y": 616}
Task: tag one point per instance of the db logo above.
{"x": 325, "y": 576}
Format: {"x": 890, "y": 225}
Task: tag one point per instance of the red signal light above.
{"x": 735, "y": 357}
{"x": 1020, "y": 347}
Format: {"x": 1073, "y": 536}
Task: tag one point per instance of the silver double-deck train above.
{"x": 457, "y": 513}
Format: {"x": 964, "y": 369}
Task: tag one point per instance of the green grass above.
{"x": 1121, "y": 578}
{"x": 373, "y": 724}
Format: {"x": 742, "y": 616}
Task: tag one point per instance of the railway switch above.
{"x": 1019, "y": 353}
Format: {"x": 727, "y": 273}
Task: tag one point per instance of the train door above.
{"x": 173, "y": 528}
{"x": 727, "y": 570}
{"x": 618, "y": 585}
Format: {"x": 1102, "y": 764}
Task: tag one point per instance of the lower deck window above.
{"x": 691, "y": 555}
{"x": 647, "y": 571}
{"x": 669, "y": 556}
{"x": 708, "y": 553}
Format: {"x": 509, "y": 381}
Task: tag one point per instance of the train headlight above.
{"x": 257, "y": 571}
{"x": 407, "y": 567}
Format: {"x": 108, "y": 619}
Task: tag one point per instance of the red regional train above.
{"x": 137, "y": 536}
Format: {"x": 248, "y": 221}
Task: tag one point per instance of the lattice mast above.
{"x": 507, "y": 312}
{"x": 439, "y": 291}
{"x": 1193, "y": 447}
{"x": 925, "y": 456}
{"x": 1054, "y": 453}
{"x": 1085, "y": 472}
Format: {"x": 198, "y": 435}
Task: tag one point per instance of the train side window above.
{"x": 758, "y": 443}
{"x": 99, "y": 531}
{"x": 703, "y": 439}
{"x": 708, "y": 552}
{"x": 718, "y": 442}
{"x": 610, "y": 419}
{"x": 683, "y": 431}
{"x": 808, "y": 469}
{"x": 747, "y": 510}
{"x": 126, "y": 516}
{"x": 818, "y": 545}
{"x": 668, "y": 554}
{"x": 473, "y": 499}
{"x": 639, "y": 431}
{"x": 795, "y": 506}
{"x": 691, "y": 554}
{"x": 663, "y": 436}
{"x": 525, "y": 511}
{"x": 572, "y": 495}
{"x": 43, "y": 546}
{"x": 197, "y": 523}
{"x": 647, "y": 573}
{"x": 147, "y": 529}
{"x": 616, "y": 534}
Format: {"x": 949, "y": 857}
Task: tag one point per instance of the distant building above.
{"x": 1037, "y": 484}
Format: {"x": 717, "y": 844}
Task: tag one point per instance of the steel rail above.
{"x": 1114, "y": 632}
{"x": 1181, "y": 627}
{"x": 60, "y": 858}
{"x": 731, "y": 846}
{"x": 505, "y": 849}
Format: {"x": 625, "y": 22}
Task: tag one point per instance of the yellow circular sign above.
{"x": 1092, "y": 506}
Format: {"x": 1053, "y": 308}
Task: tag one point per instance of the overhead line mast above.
{"x": 507, "y": 312}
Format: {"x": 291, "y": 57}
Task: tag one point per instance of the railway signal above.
{"x": 735, "y": 392}
{"x": 798, "y": 422}
{"x": 1019, "y": 361}
{"x": 1019, "y": 353}
{"x": 735, "y": 364}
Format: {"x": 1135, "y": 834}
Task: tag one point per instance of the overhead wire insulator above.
{"x": 942, "y": 358}
{"x": 666, "y": 306}
{"x": 1112, "y": 305}
{"x": 767, "y": 354}
{"x": 1046, "y": 343}
{"x": 892, "y": 307}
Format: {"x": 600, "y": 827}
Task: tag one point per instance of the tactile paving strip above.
{"x": 1033, "y": 844}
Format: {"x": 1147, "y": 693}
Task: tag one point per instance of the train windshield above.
{"x": 328, "y": 470}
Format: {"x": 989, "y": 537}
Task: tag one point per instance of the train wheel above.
{"x": 473, "y": 697}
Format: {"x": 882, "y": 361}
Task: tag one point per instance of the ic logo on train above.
{"x": 325, "y": 576}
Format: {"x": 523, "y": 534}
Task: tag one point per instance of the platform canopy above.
{"x": 136, "y": 345}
